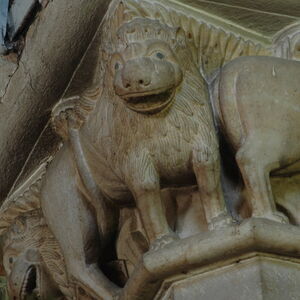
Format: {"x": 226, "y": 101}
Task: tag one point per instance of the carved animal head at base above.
{"x": 147, "y": 68}
{"x": 26, "y": 271}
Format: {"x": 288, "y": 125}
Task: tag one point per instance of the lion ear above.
{"x": 180, "y": 36}
{"x": 19, "y": 227}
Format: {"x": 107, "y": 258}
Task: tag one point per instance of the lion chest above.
{"x": 127, "y": 140}
{"x": 167, "y": 147}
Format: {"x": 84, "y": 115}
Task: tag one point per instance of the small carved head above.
{"x": 146, "y": 68}
{"x": 23, "y": 263}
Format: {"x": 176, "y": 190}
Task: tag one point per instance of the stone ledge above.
{"x": 253, "y": 235}
{"x": 259, "y": 277}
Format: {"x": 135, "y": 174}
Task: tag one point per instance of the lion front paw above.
{"x": 221, "y": 221}
{"x": 163, "y": 241}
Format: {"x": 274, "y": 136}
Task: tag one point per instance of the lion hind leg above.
{"x": 254, "y": 166}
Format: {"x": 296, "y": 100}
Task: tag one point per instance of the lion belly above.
{"x": 168, "y": 148}
{"x": 105, "y": 173}
{"x": 172, "y": 158}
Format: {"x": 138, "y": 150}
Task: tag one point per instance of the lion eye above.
{"x": 11, "y": 260}
{"x": 160, "y": 55}
{"x": 117, "y": 66}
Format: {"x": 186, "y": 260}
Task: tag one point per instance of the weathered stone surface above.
{"x": 132, "y": 202}
{"x": 260, "y": 277}
{"x": 7, "y": 70}
{"x": 42, "y": 74}
{"x": 205, "y": 252}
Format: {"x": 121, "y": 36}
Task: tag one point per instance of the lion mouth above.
{"x": 150, "y": 103}
{"x": 30, "y": 286}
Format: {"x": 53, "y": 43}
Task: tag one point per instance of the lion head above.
{"x": 146, "y": 67}
{"x": 32, "y": 259}
{"x": 23, "y": 260}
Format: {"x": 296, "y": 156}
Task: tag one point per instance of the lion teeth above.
{"x": 24, "y": 285}
{"x": 30, "y": 284}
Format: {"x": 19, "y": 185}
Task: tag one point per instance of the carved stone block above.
{"x": 260, "y": 277}
{"x": 210, "y": 254}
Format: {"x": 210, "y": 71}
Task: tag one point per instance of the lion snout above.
{"x": 135, "y": 77}
{"x": 144, "y": 76}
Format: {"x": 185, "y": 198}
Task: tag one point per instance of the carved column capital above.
{"x": 177, "y": 172}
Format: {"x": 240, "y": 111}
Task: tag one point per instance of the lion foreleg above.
{"x": 144, "y": 184}
{"x": 206, "y": 164}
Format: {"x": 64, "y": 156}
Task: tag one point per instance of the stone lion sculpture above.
{"x": 150, "y": 127}
{"x": 258, "y": 110}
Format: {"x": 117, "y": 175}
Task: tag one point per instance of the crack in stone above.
{"x": 8, "y": 83}
{"x": 27, "y": 73}
{"x": 44, "y": 4}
